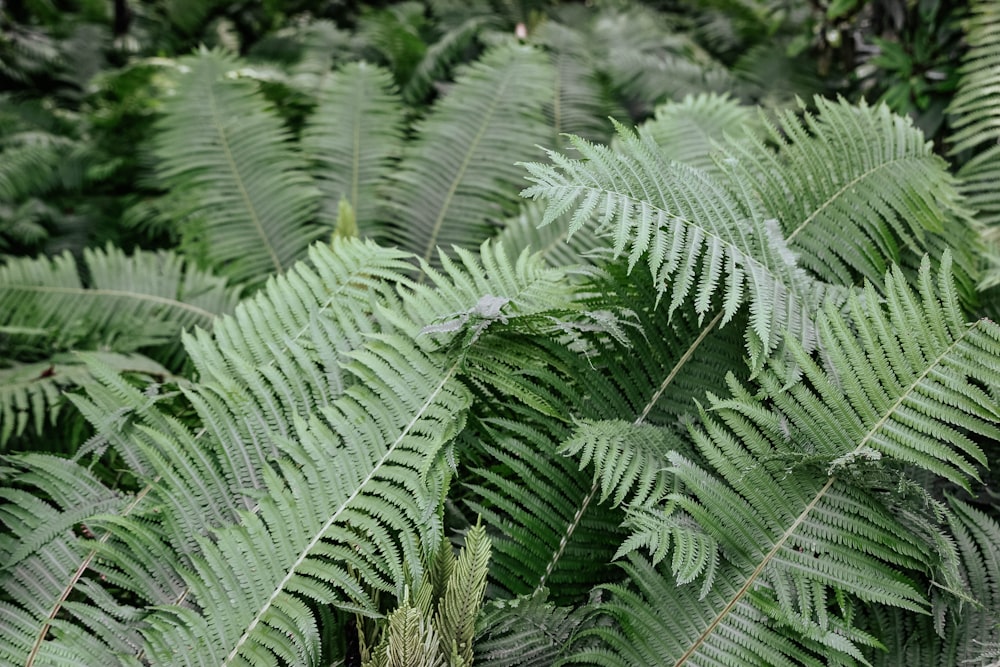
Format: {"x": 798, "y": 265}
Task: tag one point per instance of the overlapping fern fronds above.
{"x": 458, "y": 179}
{"x": 113, "y": 303}
{"x": 44, "y": 501}
{"x": 810, "y": 482}
{"x": 702, "y": 239}
{"x": 219, "y": 144}
{"x": 691, "y": 130}
{"x": 323, "y": 404}
{"x": 862, "y": 175}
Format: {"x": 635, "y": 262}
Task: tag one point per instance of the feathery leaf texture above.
{"x": 692, "y": 130}
{"x": 354, "y": 138}
{"x": 629, "y": 459}
{"x": 702, "y": 240}
{"x": 457, "y": 179}
{"x": 527, "y": 631}
{"x": 125, "y": 303}
{"x": 975, "y": 112}
{"x": 43, "y": 501}
{"x": 862, "y": 175}
{"x": 220, "y": 144}
{"x": 792, "y": 538}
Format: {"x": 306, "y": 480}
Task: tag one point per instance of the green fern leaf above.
{"x": 692, "y": 130}
{"x": 702, "y": 242}
{"x": 43, "y": 501}
{"x": 457, "y": 179}
{"x": 861, "y": 175}
{"x": 527, "y": 631}
{"x": 628, "y": 459}
{"x": 803, "y": 537}
{"x": 974, "y": 112}
{"x": 226, "y": 150}
{"x": 354, "y": 138}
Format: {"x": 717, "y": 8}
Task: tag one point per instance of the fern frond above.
{"x": 46, "y": 573}
{"x": 527, "y": 631}
{"x": 127, "y": 302}
{"x": 963, "y": 634}
{"x": 702, "y": 242}
{"x": 440, "y": 56}
{"x": 863, "y": 176}
{"x": 629, "y": 459}
{"x": 552, "y": 242}
{"x": 221, "y": 145}
{"x": 353, "y": 138}
{"x": 31, "y": 394}
{"x": 649, "y": 629}
{"x": 793, "y": 539}
{"x": 579, "y": 103}
{"x": 530, "y": 495}
{"x": 975, "y": 111}
{"x": 463, "y": 596}
{"x": 689, "y": 131}
{"x": 458, "y": 179}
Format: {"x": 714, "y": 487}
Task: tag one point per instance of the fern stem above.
{"x": 756, "y": 573}
{"x": 571, "y": 528}
{"x": 336, "y": 515}
{"x": 677, "y": 367}
{"x": 84, "y": 565}
{"x": 780, "y": 542}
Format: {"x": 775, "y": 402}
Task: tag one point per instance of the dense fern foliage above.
{"x": 497, "y": 334}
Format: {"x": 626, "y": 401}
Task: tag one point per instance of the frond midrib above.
{"x": 244, "y": 195}
{"x": 595, "y": 487}
{"x": 80, "y": 570}
{"x": 473, "y": 145}
{"x": 780, "y": 542}
{"x": 206, "y": 315}
{"x": 847, "y": 186}
{"x": 336, "y": 514}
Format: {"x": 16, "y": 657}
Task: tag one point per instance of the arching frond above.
{"x": 458, "y": 179}
{"x": 552, "y": 241}
{"x": 863, "y": 176}
{"x": 702, "y": 241}
{"x": 113, "y": 303}
{"x": 43, "y": 502}
{"x": 810, "y": 502}
{"x": 124, "y": 303}
{"x": 353, "y": 138}
{"x": 580, "y": 103}
{"x": 221, "y": 145}
{"x": 965, "y": 634}
{"x": 688, "y": 131}
{"x": 629, "y": 460}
